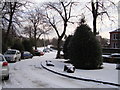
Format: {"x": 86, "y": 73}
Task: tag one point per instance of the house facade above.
{"x": 115, "y": 39}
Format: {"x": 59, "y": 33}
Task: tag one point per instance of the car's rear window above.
{"x": 10, "y": 52}
{"x": 26, "y": 52}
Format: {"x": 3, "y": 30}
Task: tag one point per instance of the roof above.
{"x": 118, "y": 30}
{"x": 13, "y": 50}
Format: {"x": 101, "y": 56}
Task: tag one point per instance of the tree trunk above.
{"x": 35, "y": 45}
{"x": 35, "y": 39}
{"x": 94, "y": 26}
{"x": 60, "y": 39}
{"x": 8, "y": 30}
{"x": 59, "y": 48}
{"x": 12, "y": 10}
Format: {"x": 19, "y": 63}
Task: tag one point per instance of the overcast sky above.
{"x": 103, "y": 28}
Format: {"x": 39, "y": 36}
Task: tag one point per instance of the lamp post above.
{"x": 44, "y": 40}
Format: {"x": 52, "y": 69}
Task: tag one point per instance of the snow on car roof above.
{"x": 115, "y": 54}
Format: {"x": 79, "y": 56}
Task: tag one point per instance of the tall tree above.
{"x": 10, "y": 16}
{"x": 63, "y": 10}
{"x": 99, "y": 8}
{"x": 38, "y": 26}
{"x": 84, "y": 49}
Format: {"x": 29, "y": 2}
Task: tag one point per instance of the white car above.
{"x": 115, "y": 55}
{"x": 4, "y": 68}
{"x": 12, "y": 55}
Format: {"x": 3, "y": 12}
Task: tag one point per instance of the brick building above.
{"x": 115, "y": 39}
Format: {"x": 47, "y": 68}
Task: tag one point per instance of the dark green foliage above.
{"x": 65, "y": 47}
{"x": 9, "y": 43}
{"x": 85, "y": 50}
{"x": 27, "y": 45}
{"x": 18, "y": 45}
{"x": 4, "y": 47}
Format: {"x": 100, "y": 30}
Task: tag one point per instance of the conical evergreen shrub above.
{"x": 85, "y": 50}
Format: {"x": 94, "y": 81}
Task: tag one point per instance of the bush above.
{"x": 85, "y": 50}
{"x": 18, "y": 45}
{"x": 27, "y": 45}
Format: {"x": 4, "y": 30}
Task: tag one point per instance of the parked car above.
{"x": 115, "y": 55}
{"x": 12, "y": 55}
{"x": 38, "y": 53}
{"x": 26, "y": 55}
{"x": 4, "y": 68}
{"x": 47, "y": 49}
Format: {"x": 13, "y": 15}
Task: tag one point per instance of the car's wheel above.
{"x": 6, "y": 77}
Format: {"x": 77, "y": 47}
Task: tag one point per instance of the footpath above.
{"x": 107, "y": 75}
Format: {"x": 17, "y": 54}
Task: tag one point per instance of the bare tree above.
{"x": 28, "y": 31}
{"x": 63, "y": 10}
{"x": 38, "y": 24}
{"x": 10, "y": 16}
{"x": 99, "y": 8}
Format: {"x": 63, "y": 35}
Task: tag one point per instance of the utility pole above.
{"x": 44, "y": 40}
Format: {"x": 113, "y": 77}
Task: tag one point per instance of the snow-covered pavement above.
{"x": 29, "y": 74}
{"x": 108, "y": 75}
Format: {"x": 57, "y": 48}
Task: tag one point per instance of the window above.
{"x": 117, "y": 36}
{"x": 10, "y": 52}
{"x": 114, "y": 36}
{"x": 114, "y": 45}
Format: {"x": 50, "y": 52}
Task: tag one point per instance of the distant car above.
{"x": 12, "y": 55}
{"x": 47, "y": 49}
{"x": 5, "y": 68}
{"x": 26, "y": 55}
{"x": 38, "y": 53}
{"x": 115, "y": 56}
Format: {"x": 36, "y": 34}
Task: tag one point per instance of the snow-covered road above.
{"x": 29, "y": 74}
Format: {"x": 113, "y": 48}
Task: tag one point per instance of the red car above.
{"x": 38, "y": 53}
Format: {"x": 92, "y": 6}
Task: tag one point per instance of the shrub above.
{"x": 27, "y": 45}
{"x": 17, "y": 45}
{"x": 85, "y": 50}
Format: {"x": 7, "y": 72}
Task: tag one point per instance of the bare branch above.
{"x": 60, "y": 13}
{"x": 88, "y": 8}
{"x": 52, "y": 24}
